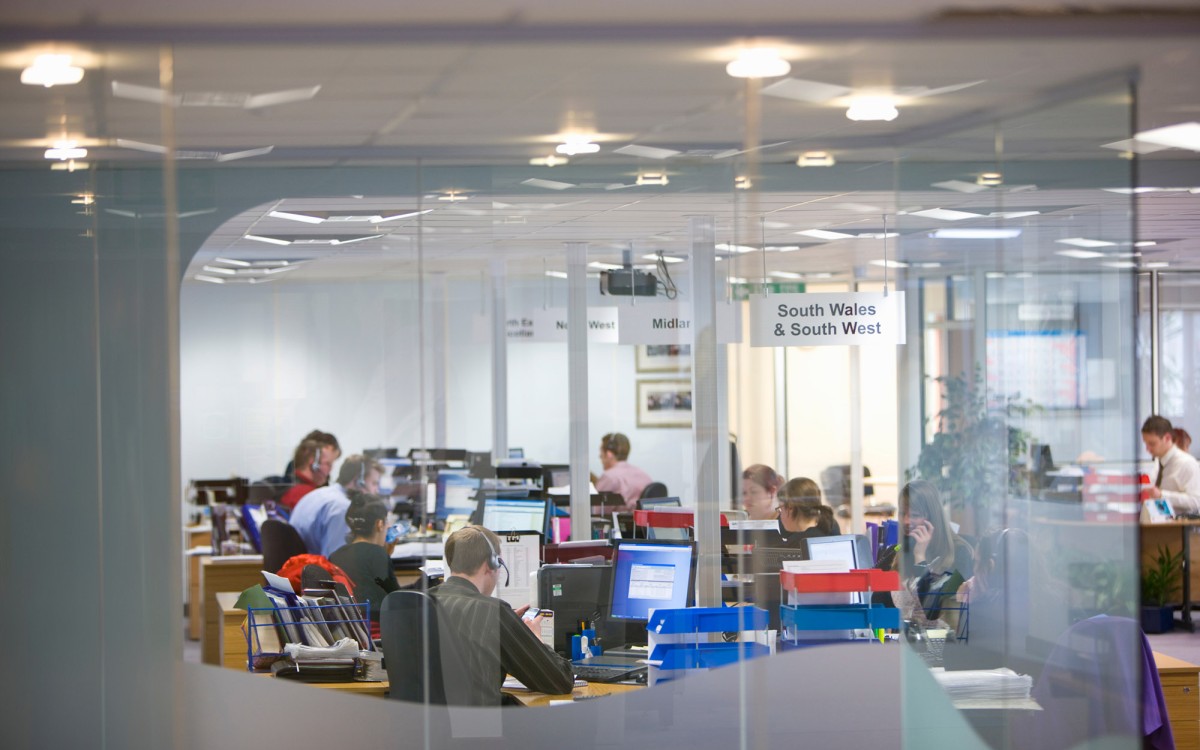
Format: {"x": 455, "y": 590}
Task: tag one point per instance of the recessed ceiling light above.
{"x": 1012, "y": 214}
{"x": 1080, "y": 254}
{"x": 1133, "y": 146}
{"x": 268, "y": 240}
{"x": 1156, "y": 264}
{"x": 990, "y": 179}
{"x": 975, "y": 234}
{"x": 872, "y": 108}
{"x": 739, "y": 249}
{"x": 453, "y": 196}
{"x": 815, "y": 159}
{"x": 877, "y": 235}
{"x": 547, "y": 184}
{"x": 84, "y": 199}
{"x": 889, "y": 263}
{"x": 960, "y": 186}
{"x": 1132, "y": 190}
{"x": 1120, "y": 264}
{"x": 51, "y": 70}
{"x": 305, "y": 218}
{"x": 758, "y": 62}
{"x": 209, "y": 279}
{"x": 824, "y": 234}
{"x": 605, "y": 266}
{"x": 64, "y": 150}
{"x": 549, "y": 161}
{"x": 648, "y": 152}
{"x": 1184, "y": 135}
{"x": 945, "y": 214}
{"x": 927, "y": 264}
{"x": 577, "y": 144}
{"x": 738, "y": 280}
{"x": 557, "y": 274}
{"x": 218, "y": 269}
{"x": 1084, "y": 242}
{"x": 786, "y": 275}
{"x": 233, "y": 262}
{"x": 652, "y": 178}
{"x": 1145, "y": 243}
{"x": 783, "y": 248}
{"x": 742, "y": 182}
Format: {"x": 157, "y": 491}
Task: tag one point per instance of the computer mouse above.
{"x": 640, "y": 678}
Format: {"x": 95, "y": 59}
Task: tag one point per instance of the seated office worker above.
{"x": 1178, "y": 476}
{"x": 314, "y": 464}
{"x": 760, "y": 490}
{"x": 320, "y": 516}
{"x": 324, "y": 438}
{"x": 492, "y": 638}
{"x": 619, "y": 475}
{"x": 365, "y": 557}
{"x": 802, "y": 514}
{"x": 934, "y": 562}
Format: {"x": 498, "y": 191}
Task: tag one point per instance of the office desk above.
{"x": 1155, "y": 534}
{"x": 1181, "y": 689}
{"x": 591, "y": 690}
{"x": 217, "y": 574}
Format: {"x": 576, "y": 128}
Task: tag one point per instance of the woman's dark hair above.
{"x": 364, "y": 512}
{"x": 800, "y": 500}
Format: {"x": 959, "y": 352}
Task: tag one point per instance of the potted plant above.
{"x": 1160, "y": 579}
{"x": 976, "y": 458}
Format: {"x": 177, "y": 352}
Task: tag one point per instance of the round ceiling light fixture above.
{"x": 872, "y": 108}
{"x": 51, "y": 70}
{"x": 758, "y": 62}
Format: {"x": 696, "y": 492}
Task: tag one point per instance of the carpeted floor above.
{"x": 1178, "y": 643}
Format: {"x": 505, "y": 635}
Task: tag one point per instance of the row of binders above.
{"x": 317, "y": 618}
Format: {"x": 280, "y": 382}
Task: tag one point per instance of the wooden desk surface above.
{"x": 1171, "y": 665}
{"x": 591, "y": 690}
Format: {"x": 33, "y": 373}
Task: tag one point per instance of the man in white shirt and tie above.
{"x": 1178, "y": 478}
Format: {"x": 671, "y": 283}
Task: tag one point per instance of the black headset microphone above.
{"x": 494, "y": 561}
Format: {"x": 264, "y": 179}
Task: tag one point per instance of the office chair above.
{"x": 654, "y": 489}
{"x": 280, "y": 542}
{"x": 421, "y": 667}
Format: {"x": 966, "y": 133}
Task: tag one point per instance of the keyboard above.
{"x": 601, "y": 673}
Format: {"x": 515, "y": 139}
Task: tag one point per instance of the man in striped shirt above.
{"x": 492, "y": 638}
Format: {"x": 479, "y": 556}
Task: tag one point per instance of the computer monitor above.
{"x": 653, "y": 503}
{"x": 576, "y": 593}
{"x": 651, "y": 575}
{"x": 455, "y": 494}
{"x": 854, "y": 549}
{"x": 555, "y": 475}
{"x": 501, "y": 514}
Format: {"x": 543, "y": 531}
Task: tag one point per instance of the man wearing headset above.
{"x": 493, "y": 639}
{"x": 314, "y": 463}
{"x": 320, "y": 516}
{"x": 620, "y": 475}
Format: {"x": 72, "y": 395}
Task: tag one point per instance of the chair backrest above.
{"x": 280, "y": 542}
{"x": 654, "y": 489}
{"x": 417, "y": 661}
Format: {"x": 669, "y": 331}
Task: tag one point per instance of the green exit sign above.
{"x": 743, "y": 291}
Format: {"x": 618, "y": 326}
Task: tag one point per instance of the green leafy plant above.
{"x": 976, "y": 455}
{"x": 1162, "y": 577}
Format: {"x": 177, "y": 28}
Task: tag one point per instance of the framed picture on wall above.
{"x": 664, "y": 358}
{"x": 664, "y": 403}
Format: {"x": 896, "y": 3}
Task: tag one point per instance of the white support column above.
{"x": 577, "y": 389}
{"x": 706, "y": 404}
{"x": 499, "y": 360}
{"x": 438, "y": 344}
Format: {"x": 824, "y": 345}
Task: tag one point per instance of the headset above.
{"x": 494, "y": 561}
{"x": 610, "y": 444}
{"x": 361, "y": 482}
{"x": 315, "y": 467}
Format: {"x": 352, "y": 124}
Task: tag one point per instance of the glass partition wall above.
{"x": 405, "y": 303}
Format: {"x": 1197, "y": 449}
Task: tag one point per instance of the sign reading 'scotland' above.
{"x": 814, "y": 319}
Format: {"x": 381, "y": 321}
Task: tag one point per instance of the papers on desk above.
{"x": 418, "y": 550}
{"x": 434, "y": 568}
{"x": 512, "y": 683}
{"x": 984, "y": 684}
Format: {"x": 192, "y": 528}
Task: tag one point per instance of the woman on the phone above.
{"x": 934, "y": 561}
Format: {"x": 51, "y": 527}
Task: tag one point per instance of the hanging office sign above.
{"x": 816, "y": 319}
{"x": 671, "y": 323}
{"x": 551, "y": 325}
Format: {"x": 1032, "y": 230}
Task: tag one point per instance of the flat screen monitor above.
{"x": 455, "y": 494}
{"x": 501, "y": 514}
{"x": 651, "y": 575}
{"x": 555, "y": 475}
{"x": 854, "y": 549}
{"x": 653, "y": 503}
{"x": 578, "y": 593}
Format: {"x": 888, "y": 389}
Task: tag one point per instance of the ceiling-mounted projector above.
{"x": 628, "y": 282}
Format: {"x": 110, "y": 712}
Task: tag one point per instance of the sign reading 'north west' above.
{"x": 816, "y": 319}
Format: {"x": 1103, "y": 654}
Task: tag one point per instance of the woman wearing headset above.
{"x": 365, "y": 558}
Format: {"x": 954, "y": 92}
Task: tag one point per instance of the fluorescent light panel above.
{"x": 1185, "y": 135}
{"x": 1085, "y": 242}
{"x": 1080, "y": 254}
{"x": 945, "y": 214}
{"x": 975, "y": 234}
{"x": 824, "y": 234}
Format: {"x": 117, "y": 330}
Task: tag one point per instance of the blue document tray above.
{"x": 707, "y": 620}
{"x": 839, "y": 617}
{"x": 705, "y": 655}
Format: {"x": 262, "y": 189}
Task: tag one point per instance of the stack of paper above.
{"x": 989, "y": 684}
